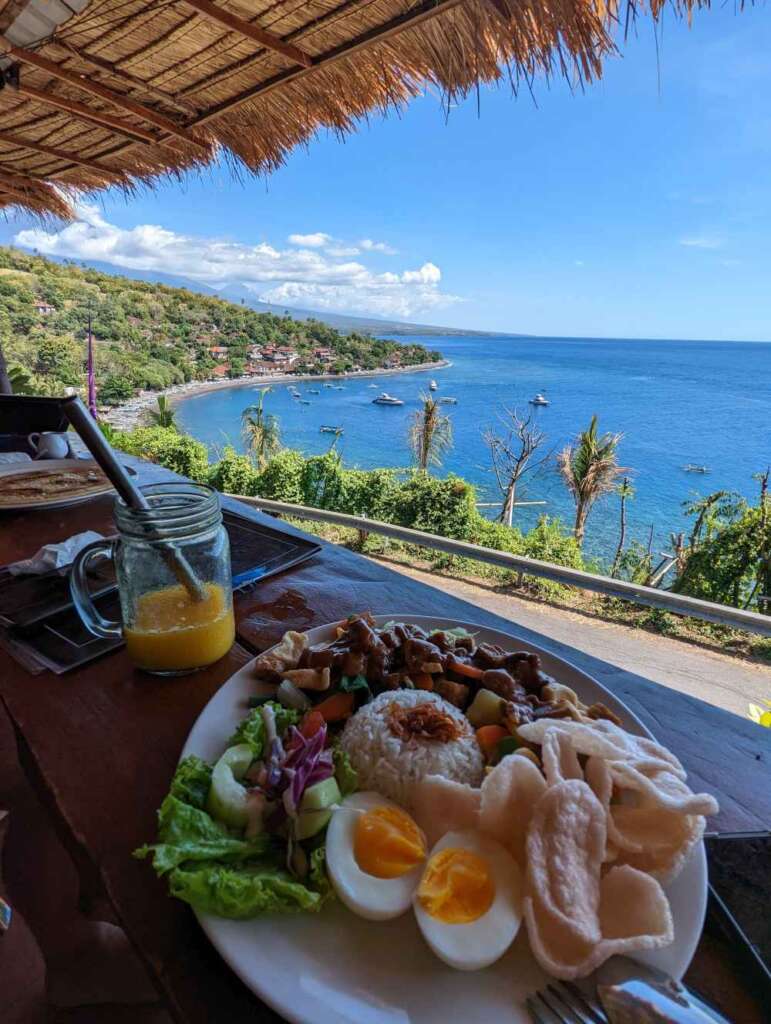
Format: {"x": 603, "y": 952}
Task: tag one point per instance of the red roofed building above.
{"x": 218, "y": 352}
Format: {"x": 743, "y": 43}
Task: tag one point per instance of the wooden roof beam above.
{"x": 21, "y": 181}
{"x": 85, "y": 113}
{"x": 409, "y": 19}
{"x": 97, "y": 89}
{"x": 126, "y": 77}
{"x": 213, "y": 12}
{"x": 12, "y": 139}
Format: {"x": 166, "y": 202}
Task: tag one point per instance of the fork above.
{"x": 562, "y": 1002}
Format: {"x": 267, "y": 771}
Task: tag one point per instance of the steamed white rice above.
{"x": 390, "y": 765}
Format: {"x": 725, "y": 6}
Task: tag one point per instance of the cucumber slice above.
{"x": 309, "y": 823}
{"x": 228, "y": 800}
{"x": 322, "y": 795}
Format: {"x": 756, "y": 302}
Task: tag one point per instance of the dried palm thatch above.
{"x": 126, "y": 90}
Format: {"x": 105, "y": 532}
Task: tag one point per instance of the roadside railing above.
{"x": 678, "y": 604}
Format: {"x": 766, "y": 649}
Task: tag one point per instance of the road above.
{"x": 727, "y": 682}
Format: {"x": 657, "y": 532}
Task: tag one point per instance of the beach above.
{"x": 131, "y": 414}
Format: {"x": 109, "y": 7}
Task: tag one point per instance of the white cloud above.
{"x": 342, "y": 250}
{"x": 701, "y": 242}
{"x": 578, "y": 263}
{"x": 306, "y": 275}
{"x": 369, "y": 246}
{"x": 313, "y": 241}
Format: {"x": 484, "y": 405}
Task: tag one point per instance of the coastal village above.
{"x": 137, "y": 340}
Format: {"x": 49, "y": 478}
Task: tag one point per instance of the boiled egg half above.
{"x": 468, "y": 903}
{"x": 375, "y": 856}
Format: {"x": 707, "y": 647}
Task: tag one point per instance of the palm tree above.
{"x": 261, "y": 432}
{"x": 164, "y": 417}
{"x": 589, "y": 469}
{"x": 625, "y": 492}
{"x": 430, "y": 434}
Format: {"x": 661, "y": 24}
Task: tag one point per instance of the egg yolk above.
{"x": 388, "y": 843}
{"x": 456, "y": 887}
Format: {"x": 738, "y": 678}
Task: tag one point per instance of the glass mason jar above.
{"x": 172, "y": 566}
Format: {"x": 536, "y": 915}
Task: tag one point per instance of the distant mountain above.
{"x": 343, "y": 321}
{"x": 240, "y": 294}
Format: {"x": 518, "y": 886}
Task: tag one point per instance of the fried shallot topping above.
{"x": 423, "y": 722}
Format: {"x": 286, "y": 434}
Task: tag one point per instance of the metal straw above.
{"x": 97, "y": 444}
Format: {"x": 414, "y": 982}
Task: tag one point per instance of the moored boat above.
{"x": 433, "y": 386}
{"x": 539, "y": 400}
{"x": 325, "y": 428}
{"x": 386, "y": 399}
{"x": 447, "y": 400}
{"x": 691, "y": 467}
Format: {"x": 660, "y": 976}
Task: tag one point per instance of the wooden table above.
{"x": 108, "y": 722}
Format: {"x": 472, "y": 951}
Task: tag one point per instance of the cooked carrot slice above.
{"x": 311, "y": 723}
{"x": 462, "y": 669}
{"x": 422, "y": 681}
{"x": 337, "y": 707}
{"x": 488, "y": 738}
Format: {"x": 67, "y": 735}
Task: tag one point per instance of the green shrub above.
{"x": 323, "y": 481}
{"x": 166, "y": 446}
{"x": 282, "y": 478}
{"x": 234, "y": 473}
{"x": 442, "y": 506}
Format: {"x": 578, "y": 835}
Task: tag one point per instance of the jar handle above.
{"x": 81, "y": 597}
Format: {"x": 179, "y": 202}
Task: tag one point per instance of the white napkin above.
{"x": 54, "y": 556}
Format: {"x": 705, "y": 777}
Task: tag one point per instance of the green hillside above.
{"x": 151, "y": 336}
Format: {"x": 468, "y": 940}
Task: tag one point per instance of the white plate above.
{"x": 335, "y": 968}
{"x": 44, "y": 466}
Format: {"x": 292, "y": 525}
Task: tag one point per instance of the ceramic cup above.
{"x": 50, "y": 445}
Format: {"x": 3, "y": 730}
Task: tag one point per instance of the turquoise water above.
{"x": 707, "y": 403}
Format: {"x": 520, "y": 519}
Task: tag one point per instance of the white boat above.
{"x": 325, "y": 428}
{"x": 539, "y": 400}
{"x": 692, "y": 468}
{"x": 372, "y": 385}
{"x": 433, "y": 386}
{"x": 313, "y": 391}
{"x": 386, "y": 399}
{"x": 448, "y": 401}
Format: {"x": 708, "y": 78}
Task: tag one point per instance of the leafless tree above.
{"x": 513, "y": 455}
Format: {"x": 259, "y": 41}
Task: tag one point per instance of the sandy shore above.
{"x": 131, "y": 413}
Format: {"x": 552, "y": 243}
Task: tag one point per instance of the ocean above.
{"x": 706, "y": 403}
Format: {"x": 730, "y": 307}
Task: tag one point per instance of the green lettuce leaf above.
{"x": 345, "y": 774}
{"x": 241, "y": 891}
{"x": 191, "y": 781}
{"x": 252, "y": 728}
{"x": 186, "y": 832}
{"x": 317, "y": 874}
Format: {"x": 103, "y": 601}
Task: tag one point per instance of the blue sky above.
{"x": 639, "y": 207}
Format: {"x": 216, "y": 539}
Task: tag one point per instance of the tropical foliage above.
{"x": 261, "y": 432}
{"x": 164, "y": 415}
{"x": 149, "y": 335}
{"x": 590, "y": 469}
{"x": 429, "y": 434}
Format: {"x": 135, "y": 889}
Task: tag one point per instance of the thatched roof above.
{"x": 117, "y": 92}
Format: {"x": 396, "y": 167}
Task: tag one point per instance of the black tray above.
{"x": 46, "y": 625}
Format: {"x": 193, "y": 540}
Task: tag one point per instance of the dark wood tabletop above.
{"x": 100, "y": 745}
